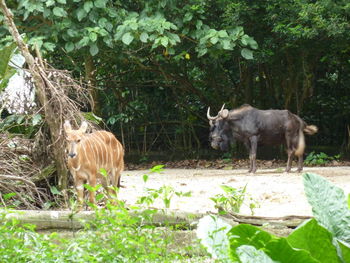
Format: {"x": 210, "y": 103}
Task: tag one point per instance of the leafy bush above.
{"x": 233, "y": 199}
{"x": 117, "y": 234}
{"x": 325, "y": 238}
{"x": 320, "y": 158}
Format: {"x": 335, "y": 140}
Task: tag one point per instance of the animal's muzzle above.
{"x": 71, "y": 155}
{"x": 215, "y": 142}
{"x": 215, "y": 146}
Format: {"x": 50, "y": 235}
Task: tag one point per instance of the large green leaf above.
{"x": 243, "y": 234}
{"x": 88, "y": 5}
{"x": 127, "y": 38}
{"x": 246, "y": 53}
{"x": 247, "y": 235}
{"x": 100, "y": 3}
{"x": 59, "y": 11}
{"x": 249, "y": 254}
{"x": 144, "y": 37}
{"x": 5, "y": 57}
{"x": 329, "y": 205}
{"x": 345, "y": 250}
{"x": 6, "y": 72}
{"x": 281, "y": 251}
{"x": 277, "y": 249}
{"x": 81, "y": 14}
{"x": 212, "y": 231}
{"x": 93, "y": 49}
{"x": 5, "y": 79}
{"x": 69, "y": 46}
{"x": 316, "y": 239}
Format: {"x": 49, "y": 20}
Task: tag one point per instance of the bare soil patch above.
{"x": 278, "y": 193}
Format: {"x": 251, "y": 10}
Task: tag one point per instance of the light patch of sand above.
{"x": 277, "y": 193}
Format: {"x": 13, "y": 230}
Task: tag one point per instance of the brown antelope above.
{"x": 90, "y": 152}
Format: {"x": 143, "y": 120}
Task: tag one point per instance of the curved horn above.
{"x": 208, "y": 115}
{"x": 223, "y": 113}
{"x": 222, "y": 108}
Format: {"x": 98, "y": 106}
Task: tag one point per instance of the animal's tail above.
{"x": 308, "y": 129}
{"x": 301, "y": 143}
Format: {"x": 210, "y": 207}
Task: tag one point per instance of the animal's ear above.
{"x": 83, "y": 127}
{"x": 224, "y": 113}
{"x": 67, "y": 127}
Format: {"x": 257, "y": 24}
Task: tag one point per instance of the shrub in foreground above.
{"x": 324, "y": 239}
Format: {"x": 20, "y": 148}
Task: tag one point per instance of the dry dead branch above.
{"x": 17, "y": 171}
{"x": 57, "y": 94}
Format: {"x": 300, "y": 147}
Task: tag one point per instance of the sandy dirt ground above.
{"x": 277, "y": 193}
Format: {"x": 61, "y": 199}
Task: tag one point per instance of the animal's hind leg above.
{"x": 113, "y": 185}
{"x": 290, "y": 159}
{"x": 118, "y": 185}
{"x": 300, "y": 163}
{"x": 291, "y": 143}
{"x": 80, "y": 193}
{"x": 92, "y": 183}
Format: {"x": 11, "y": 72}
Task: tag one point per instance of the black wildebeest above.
{"x": 256, "y": 127}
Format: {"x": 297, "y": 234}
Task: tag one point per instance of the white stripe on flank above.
{"x": 94, "y": 152}
{"x": 102, "y": 147}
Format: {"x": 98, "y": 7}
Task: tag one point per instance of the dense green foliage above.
{"x": 118, "y": 233}
{"x": 325, "y": 238}
{"x": 320, "y": 158}
{"x": 115, "y": 236}
{"x": 158, "y": 65}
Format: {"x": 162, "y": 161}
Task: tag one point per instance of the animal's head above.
{"x": 74, "y": 137}
{"x": 219, "y": 129}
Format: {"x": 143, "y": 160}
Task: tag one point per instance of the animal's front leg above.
{"x": 252, "y": 153}
{"x": 247, "y": 145}
{"x": 80, "y": 192}
{"x": 300, "y": 163}
{"x": 92, "y": 183}
{"x": 250, "y": 164}
{"x": 290, "y": 159}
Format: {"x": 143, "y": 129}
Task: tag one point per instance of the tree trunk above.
{"x": 246, "y": 82}
{"x": 53, "y": 121}
{"x": 90, "y": 78}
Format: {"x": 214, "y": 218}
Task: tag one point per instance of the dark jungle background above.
{"x": 158, "y": 65}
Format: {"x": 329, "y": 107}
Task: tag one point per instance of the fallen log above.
{"x": 45, "y": 220}
{"x": 290, "y": 221}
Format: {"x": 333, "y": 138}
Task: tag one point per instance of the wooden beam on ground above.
{"x": 45, "y": 220}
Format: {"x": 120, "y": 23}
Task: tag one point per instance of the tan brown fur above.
{"x": 88, "y": 153}
{"x": 241, "y": 109}
{"x": 301, "y": 144}
{"x": 310, "y": 129}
